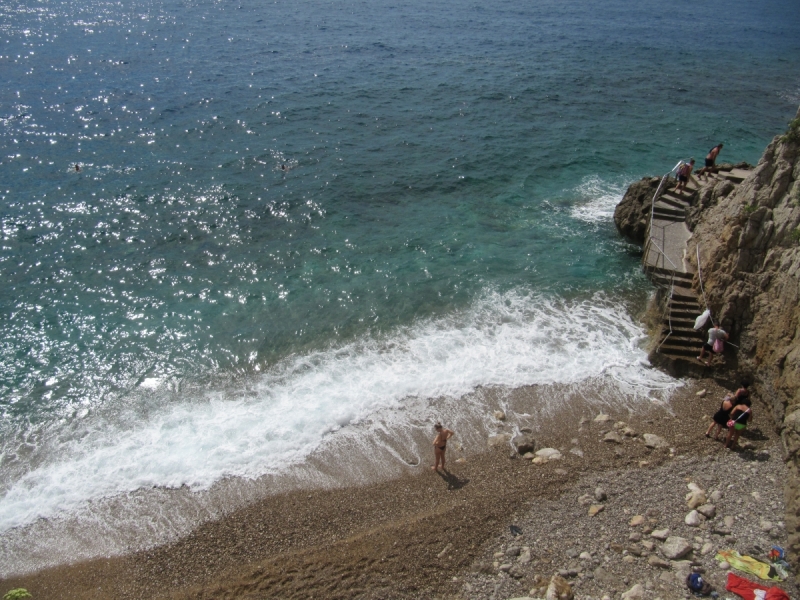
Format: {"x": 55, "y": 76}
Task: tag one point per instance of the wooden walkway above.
{"x": 665, "y": 263}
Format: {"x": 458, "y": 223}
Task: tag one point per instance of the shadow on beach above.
{"x": 453, "y": 481}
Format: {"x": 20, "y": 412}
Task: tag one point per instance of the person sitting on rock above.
{"x": 741, "y": 415}
{"x": 711, "y": 161}
{"x": 716, "y": 333}
{"x": 683, "y": 175}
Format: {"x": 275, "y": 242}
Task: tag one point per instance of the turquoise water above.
{"x": 184, "y": 309}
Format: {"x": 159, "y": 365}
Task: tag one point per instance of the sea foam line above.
{"x": 510, "y": 339}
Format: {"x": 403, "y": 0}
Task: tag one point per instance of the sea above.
{"x": 238, "y": 235}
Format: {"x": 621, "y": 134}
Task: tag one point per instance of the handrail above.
{"x": 658, "y": 191}
{"x": 700, "y": 276}
{"x": 703, "y": 291}
{"x": 669, "y": 313}
{"x": 651, "y": 242}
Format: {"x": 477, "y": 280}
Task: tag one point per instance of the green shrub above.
{"x": 795, "y": 235}
{"x": 749, "y": 209}
{"x": 17, "y": 594}
{"x": 793, "y": 133}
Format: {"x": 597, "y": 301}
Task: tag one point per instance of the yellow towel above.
{"x": 748, "y": 564}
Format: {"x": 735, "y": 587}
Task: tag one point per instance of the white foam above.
{"x": 510, "y": 339}
{"x": 598, "y": 198}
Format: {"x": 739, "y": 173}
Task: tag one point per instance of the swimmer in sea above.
{"x": 440, "y": 445}
{"x": 284, "y": 168}
{"x": 77, "y": 168}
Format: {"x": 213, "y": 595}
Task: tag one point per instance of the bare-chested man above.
{"x": 711, "y": 161}
{"x": 440, "y": 445}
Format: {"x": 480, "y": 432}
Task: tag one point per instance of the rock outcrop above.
{"x": 632, "y": 215}
{"x": 748, "y": 241}
{"x": 749, "y": 248}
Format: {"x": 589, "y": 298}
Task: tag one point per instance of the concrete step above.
{"x": 684, "y": 294}
{"x": 740, "y": 173}
{"x": 684, "y": 315}
{"x": 664, "y": 216}
{"x": 680, "y": 340}
{"x": 680, "y": 323}
{"x": 682, "y": 351}
{"x": 679, "y": 275}
{"x": 677, "y": 278}
{"x": 673, "y": 357}
{"x": 684, "y": 305}
{"x": 735, "y": 175}
{"x": 672, "y": 202}
{"x": 666, "y": 207}
{"x": 686, "y": 195}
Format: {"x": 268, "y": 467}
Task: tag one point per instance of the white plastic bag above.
{"x": 700, "y": 321}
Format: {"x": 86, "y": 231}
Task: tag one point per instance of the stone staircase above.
{"x": 665, "y": 264}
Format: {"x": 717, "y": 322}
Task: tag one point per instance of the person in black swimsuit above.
{"x": 723, "y": 415}
{"x": 440, "y": 445}
{"x": 711, "y": 162}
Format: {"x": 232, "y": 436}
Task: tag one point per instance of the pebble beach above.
{"x": 599, "y": 517}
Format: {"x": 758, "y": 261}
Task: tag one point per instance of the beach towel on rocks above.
{"x": 748, "y": 564}
{"x": 753, "y": 591}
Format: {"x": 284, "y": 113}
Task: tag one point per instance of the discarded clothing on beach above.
{"x": 750, "y": 590}
{"x": 748, "y": 564}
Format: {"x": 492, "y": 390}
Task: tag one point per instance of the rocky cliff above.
{"x": 749, "y": 247}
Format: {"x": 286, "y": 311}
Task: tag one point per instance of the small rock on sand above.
{"x": 635, "y": 593}
{"x": 675, "y": 547}
{"x": 612, "y": 437}
{"x": 595, "y": 509}
{"x": 652, "y": 440}
{"x": 696, "y": 499}
{"x": 559, "y": 589}
{"x": 600, "y": 494}
{"x": 660, "y": 534}
{"x": 524, "y": 444}
{"x": 602, "y": 418}
{"x": 694, "y": 519}
{"x": 498, "y": 440}
{"x": 709, "y": 511}
{"x": 636, "y": 521}
{"x": 549, "y": 454}
{"x": 499, "y": 415}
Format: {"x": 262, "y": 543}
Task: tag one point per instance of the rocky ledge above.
{"x": 748, "y": 241}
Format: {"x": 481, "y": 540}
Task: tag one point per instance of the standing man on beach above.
{"x": 711, "y": 161}
{"x": 440, "y": 445}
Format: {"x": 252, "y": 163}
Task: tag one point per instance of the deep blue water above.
{"x": 445, "y": 165}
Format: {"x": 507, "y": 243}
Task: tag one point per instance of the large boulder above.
{"x": 524, "y": 443}
{"x": 632, "y": 215}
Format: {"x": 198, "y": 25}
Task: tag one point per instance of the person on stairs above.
{"x": 715, "y": 344}
{"x": 711, "y": 161}
{"x": 684, "y": 173}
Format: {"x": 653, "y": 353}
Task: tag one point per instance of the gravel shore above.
{"x": 447, "y": 535}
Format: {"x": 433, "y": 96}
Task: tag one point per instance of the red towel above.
{"x": 746, "y": 588}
